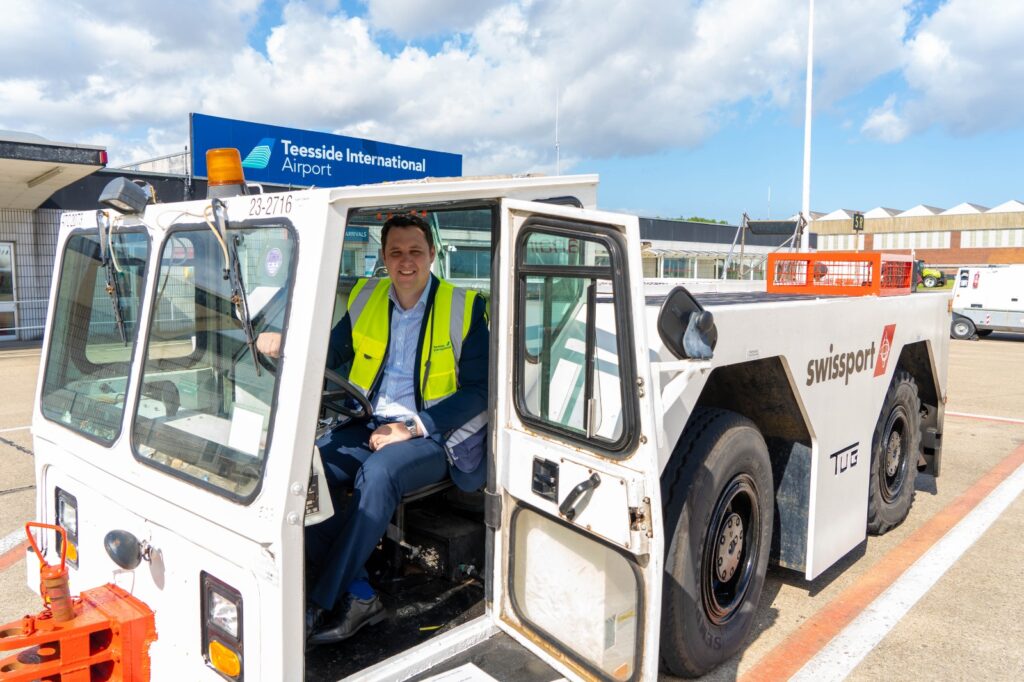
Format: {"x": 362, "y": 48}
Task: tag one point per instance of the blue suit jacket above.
{"x": 469, "y": 473}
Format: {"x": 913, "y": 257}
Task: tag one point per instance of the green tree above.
{"x": 698, "y": 219}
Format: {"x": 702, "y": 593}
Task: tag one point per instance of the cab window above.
{"x": 206, "y": 402}
{"x": 573, "y": 371}
{"x": 92, "y": 338}
{"x": 462, "y": 240}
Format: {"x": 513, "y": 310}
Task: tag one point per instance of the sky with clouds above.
{"x": 684, "y": 107}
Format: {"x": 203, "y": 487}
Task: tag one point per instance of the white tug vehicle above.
{"x": 649, "y": 454}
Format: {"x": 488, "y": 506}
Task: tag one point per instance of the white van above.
{"x": 988, "y": 299}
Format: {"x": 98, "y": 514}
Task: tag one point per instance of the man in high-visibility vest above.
{"x": 417, "y": 348}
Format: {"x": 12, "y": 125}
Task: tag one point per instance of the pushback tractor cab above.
{"x": 649, "y": 455}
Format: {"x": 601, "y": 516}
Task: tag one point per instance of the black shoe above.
{"x": 315, "y": 617}
{"x": 359, "y": 613}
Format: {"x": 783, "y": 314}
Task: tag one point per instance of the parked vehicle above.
{"x": 649, "y": 455}
{"x": 987, "y": 299}
{"x": 929, "y": 277}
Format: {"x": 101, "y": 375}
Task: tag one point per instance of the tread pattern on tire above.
{"x": 705, "y": 424}
{"x": 877, "y": 524}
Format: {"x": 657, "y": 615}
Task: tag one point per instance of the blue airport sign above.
{"x": 287, "y": 156}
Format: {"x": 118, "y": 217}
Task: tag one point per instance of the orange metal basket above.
{"x": 840, "y": 273}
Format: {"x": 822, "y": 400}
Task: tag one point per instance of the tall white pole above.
{"x": 558, "y": 159}
{"x": 805, "y": 205}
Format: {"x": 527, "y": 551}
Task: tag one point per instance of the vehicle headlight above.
{"x": 67, "y": 518}
{"x": 223, "y": 613}
{"x": 222, "y": 626}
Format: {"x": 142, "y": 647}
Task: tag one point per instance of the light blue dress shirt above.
{"x": 396, "y": 399}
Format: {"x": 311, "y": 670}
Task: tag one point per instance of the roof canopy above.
{"x": 838, "y": 214}
{"x": 882, "y": 212}
{"x": 965, "y": 208}
{"x": 920, "y": 210}
{"x": 32, "y": 168}
{"x": 1011, "y": 206}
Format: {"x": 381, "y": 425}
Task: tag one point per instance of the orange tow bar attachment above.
{"x": 102, "y": 635}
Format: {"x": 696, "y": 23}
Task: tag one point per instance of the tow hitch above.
{"x": 104, "y": 633}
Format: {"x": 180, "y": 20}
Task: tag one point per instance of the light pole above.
{"x": 805, "y": 205}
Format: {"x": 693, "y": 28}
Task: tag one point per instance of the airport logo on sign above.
{"x": 259, "y": 157}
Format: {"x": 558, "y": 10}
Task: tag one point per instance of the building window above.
{"x": 980, "y": 239}
{"x": 677, "y": 267}
{"x": 468, "y": 262}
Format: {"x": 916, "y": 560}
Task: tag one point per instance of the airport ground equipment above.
{"x": 650, "y": 451}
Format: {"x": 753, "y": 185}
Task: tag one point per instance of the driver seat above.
{"x": 396, "y": 529}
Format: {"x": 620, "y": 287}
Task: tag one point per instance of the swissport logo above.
{"x": 259, "y": 157}
{"x": 884, "y": 349}
{"x": 844, "y": 364}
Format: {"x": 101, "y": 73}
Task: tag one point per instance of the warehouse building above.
{"x": 966, "y": 234}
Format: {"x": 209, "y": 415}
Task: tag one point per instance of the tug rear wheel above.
{"x": 895, "y": 447}
{"x": 718, "y": 495}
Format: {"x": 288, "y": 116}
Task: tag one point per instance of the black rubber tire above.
{"x": 895, "y": 447}
{"x": 930, "y": 281}
{"x": 705, "y": 621}
{"x": 961, "y": 328}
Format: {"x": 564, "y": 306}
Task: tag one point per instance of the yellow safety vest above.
{"x": 447, "y": 324}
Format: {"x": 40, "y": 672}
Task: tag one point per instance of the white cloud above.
{"x": 632, "y": 77}
{"x": 415, "y": 18}
{"x": 963, "y": 68}
{"x": 885, "y": 124}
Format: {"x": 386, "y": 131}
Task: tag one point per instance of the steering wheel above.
{"x": 339, "y": 399}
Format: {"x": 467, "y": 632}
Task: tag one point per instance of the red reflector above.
{"x": 103, "y": 157}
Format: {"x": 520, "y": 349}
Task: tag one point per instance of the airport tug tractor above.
{"x": 652, "y": 445}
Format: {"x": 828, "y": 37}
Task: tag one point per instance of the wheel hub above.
{"x": 892, "y": 453}
{"x": 730, "y": 547}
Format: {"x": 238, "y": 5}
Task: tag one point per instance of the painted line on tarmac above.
{"x": 985, "y": 417}
{"x": 12, "y": 548}
{"x": 15, "y": 428}
{"x": 848, "y": 649}
{"x": 790, "y": 656}
{"x": 19, "y": 448}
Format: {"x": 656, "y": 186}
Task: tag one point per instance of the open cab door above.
{"x": 578, "y": 547}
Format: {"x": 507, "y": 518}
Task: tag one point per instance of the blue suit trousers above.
{"x": 339, "y": 547}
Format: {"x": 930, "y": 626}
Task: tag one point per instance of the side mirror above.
{"x": 685, "y": 327}
{"x": 126, "y": 550}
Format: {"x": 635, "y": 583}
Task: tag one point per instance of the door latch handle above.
{"x": 575, "y": 496}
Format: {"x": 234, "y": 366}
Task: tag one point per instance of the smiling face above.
{"x": 408, "y": 257}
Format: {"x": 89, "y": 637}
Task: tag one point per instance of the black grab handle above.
{"x": 568, "y": 506}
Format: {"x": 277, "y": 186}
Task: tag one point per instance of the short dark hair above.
{"x": 406, "y": 220}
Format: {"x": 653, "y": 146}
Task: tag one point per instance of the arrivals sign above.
{"x": 288, "y": 156}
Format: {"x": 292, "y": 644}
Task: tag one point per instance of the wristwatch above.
{"x": 411, "y": 425}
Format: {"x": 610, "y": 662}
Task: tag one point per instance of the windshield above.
{"x": 206, "y": 403}
{"x": 88, "y": 363}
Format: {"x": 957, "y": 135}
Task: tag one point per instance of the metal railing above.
{"x": 6, "y": 329}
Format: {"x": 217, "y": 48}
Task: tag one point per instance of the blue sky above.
{"x": 683, "y": 108}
